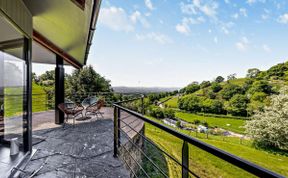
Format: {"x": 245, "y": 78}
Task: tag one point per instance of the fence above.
{"x": 222, "y": 164}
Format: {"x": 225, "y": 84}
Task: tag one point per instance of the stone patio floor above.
{"x": 85, "y": 150}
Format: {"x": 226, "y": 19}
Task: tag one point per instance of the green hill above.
{"x": 234, "y": 96}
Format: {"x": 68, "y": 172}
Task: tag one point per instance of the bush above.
{"x": 270, "y": 127}
{"x": 196, "y": 122}
{"x": 169, "y": 113}
{"x": 216, "y": 87}
{"x": 237, "y": 105}
{"x": 190, "y": 103}
{"x": 160, "y": 113}
{"x": 156, "y": 112}
{"x": 230, "y": 90}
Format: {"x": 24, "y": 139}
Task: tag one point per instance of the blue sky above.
{"x": 171, "y": 43}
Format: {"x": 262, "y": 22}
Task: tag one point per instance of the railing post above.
{"x": 142, "y": 105}
{"x": 115, "y": 131}
{"x": 185, "y": 160}
{"x": 118, "y": 125}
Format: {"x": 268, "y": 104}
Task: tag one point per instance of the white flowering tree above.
{"x": 270, "y": 127}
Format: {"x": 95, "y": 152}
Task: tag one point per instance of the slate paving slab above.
{"x": 85, "y": 150}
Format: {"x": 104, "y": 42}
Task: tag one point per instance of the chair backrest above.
{"x": 62, "y": 107}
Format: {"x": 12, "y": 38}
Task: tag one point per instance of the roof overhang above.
{"x": 65, "y": 27}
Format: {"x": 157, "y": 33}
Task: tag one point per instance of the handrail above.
{"x": 234, "y": 160}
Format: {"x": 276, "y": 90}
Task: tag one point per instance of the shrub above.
{"x": 196, "y": 122}
{"x": 270, "y": 127}
{"x": 216, "y": 87}
{"x": 230, "y": 90}
{"x": 160, "y": 113}
{"x": 237, "y": 105}
{"x": 169, "y": 113}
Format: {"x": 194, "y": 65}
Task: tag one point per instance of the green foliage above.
{"x": 261, "y": 86}
{"x": 216, "y": 87}
{"x": 191, "y": 88}
{"x": 160, "y": 113}
{"x": 85, "y": 81}
{"x": 205, "y": 84}
{"x": 231, "y": 77}
{"x": 270, "y": 127}
{"x": 219, "y": 79}
{"x": 178, "y": 124}
{"x": 190, "y": 103}
{"x": 237, "y": 105}
{"x": 230, "y": 90}
{"x": 253, "y": 73}
{"x": 212, "y": 106}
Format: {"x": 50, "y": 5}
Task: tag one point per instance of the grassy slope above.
{"x": 207, "y": 165}
{"x": 236, "y": 125}
{"x": 14, "y": 100}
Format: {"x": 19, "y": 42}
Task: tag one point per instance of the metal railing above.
{"x": 119, "y": 124}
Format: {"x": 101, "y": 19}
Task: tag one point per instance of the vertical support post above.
{"x": 118, "y": 120}
{"x": 185, "y": 160}
{"x": 59, "y": 89}
{"x": 115, "y": 131}
{"x": 2, "y": 97}
{"x": 142, "y": 105}
{"x": 27, "y": 102}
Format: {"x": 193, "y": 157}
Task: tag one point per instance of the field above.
{"x": 171, "y": 103}
{"x": 13, "y": 101}
{"x": 207, "y": 165}
{"x": 234, "y": 125}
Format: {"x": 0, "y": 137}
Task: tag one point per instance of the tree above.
{"x": 230, "y": 90}
{"x": 219, "y": 79}
{"x": 237, "y": 105}
{"x": 191, "y": 88}
{"x": 85, "y": 81}
{"x": 190, "y": 103}
{"x": 261, "y": 86}
{"x": 253, "y": 73}
{"x": 205, "y": 84}
{"x": 216, "y": 87}
{"x": 270, "y": 127}
{"x": 212, "y": 106}
{"x": 231, "y": 77}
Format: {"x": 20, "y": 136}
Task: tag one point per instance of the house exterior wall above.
{"x": 18, "y": 14}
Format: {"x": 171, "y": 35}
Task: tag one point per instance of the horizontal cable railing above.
{"x": 125, "y": 128}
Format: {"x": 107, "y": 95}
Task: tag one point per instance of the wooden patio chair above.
{"x": 95, "y": 108}
{"x": 71, "y": 112}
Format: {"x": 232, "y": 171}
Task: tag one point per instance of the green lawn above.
{"x": 234, "y": 125}
{"x": 171, "y": 103}
{"x": 13, "y": 100}
{"x": 207, "y": 165}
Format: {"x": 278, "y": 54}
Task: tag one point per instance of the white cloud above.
{"x": 227, "y": 1}
{"x": 149, "y": 4}
{"x": 283, "y": 18}
{"x": 116, "y": 19}
{"x": 209, "y": 8}
{"x": 243, "y": 12}
{"x": 184, "y": 28}
{"x": 137, "y": 17}
{"x": 266, "y": 48}
{"x": 243, "y": 44}
{"x": 181, "y": 28}
{"x": 158, "y": 37}
{"x": 250, "y": 2}
{"x": 187, "y": 8}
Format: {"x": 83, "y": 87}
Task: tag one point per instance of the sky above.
{"x": 170, "y": 43}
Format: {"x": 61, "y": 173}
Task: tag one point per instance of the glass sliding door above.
{"x": 13, "y": 73}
